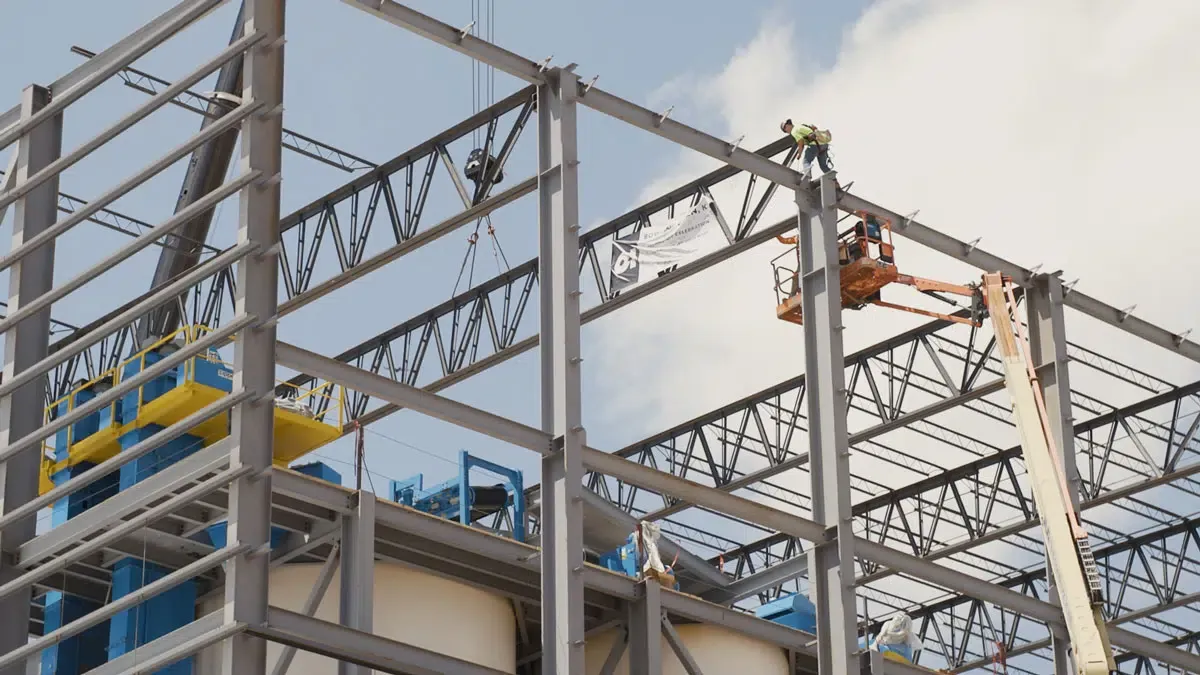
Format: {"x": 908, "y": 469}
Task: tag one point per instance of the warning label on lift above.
{"x": 659, "y": 248}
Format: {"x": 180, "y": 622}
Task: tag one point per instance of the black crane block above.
{"x": 475, "y": 165}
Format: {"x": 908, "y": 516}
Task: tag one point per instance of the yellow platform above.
{"x": 296, "y": 434}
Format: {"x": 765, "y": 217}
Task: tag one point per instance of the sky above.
{"x": 374, "y": 90}
{"x": 1059, "y": 132}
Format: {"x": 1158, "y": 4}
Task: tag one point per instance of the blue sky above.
{"x": 944, "y": 67}
{"x": 374, "y": 90}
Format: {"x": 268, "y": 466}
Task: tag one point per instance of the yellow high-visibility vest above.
{"x": 806, "y": 135}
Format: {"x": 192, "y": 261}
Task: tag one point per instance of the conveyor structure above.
{"x": 458, "y": 499}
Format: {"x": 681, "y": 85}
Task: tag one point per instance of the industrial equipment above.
{"x": 868, "y": 263}
{"x": 1067, "y": 548}
{"x": 477, "y": 163}
{"x": 638, "y": 557}
{"x": 304, "y": 421}
{"x": 1066, "y": 540}
{"x": 793, "y": 609}
{"x": 457, "y": 499}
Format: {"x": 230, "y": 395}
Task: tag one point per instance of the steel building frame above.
{"x": 847, "y": 533}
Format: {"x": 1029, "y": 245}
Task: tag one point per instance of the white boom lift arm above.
{"x": 1066, "y": 540}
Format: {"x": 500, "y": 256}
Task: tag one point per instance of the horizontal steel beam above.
{"x": 439, "y": 407}
{"x": 353, "y": 646}
{"x": 72, "y": 86}
{"x": 689, "y": 137}
{"x": 198, "y": 103}
{"x": 745, "y": 509}
{"x": 156, "y": 648}
{"x": 981, "y": 259}
{"x": 465, "y": 543}
{"x": 446, "y": 410}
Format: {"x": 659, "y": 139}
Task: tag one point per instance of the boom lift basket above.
{"x": 868, "y": 264}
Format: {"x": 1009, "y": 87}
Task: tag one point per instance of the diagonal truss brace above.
{"x": 524, "y": 436}
{"x": 643, "y": 118}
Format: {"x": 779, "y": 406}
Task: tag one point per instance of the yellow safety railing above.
{"x": 190, "y": 333}
{"x": 323, "y": 404}
{"x": 332, "y": 396}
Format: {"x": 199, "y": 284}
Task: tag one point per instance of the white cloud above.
{"x": 1062, "y": 132}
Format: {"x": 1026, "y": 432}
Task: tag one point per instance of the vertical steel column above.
{"x": 645, "y": 630}
{"x": 1048, "y": 347}
{"x": 562, "y": 416}
{"x": 358, "y": 573}
{"x": 25, "y": 344}
{"x": 830, "y": 565}
{"x": 254, "y": 356}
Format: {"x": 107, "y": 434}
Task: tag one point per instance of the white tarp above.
{"x": 657, "y": 249}
{"x": 650, "y": 535}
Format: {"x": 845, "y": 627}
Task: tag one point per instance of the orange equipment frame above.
{"x": 863, "y": 276}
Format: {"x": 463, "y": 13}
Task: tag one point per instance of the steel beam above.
{"x": 357, "y": 579}
{"x": 315, "y": 595}
{"x": 17, "y": 657}
{"x": 645, "y": 630}
{"x": 124, "y": 457}
{"x": 364, "y": 649}
{"x": 440, "y": 407}
{"x": 72, "y": 86}
{"x": 190, "y": 100}
{"x": 96, "y": 521}
{"x": 393, "y": 253}
{"x": 205, "y": 172}
{"x": 1048, "y": 347}
{"x": 562, "y": 413}
{"x": 235, "y": 116}
{"x": 143, "y": 241}
{"x": 252, "y": 424}
{"x": 774, "y": 519}
{"x": 111, "y": 132}
{"x": 22, "y": 411}
{"x": 831, "y": 563}
{"x": 158, "y": 647}
{"x": 681, "y": 651}
{"x": 724, "y": 151}
{"x": 467, "y": 542}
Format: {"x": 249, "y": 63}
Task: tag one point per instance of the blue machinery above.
{"x": 197, "y": 382}
{"x": 446, "y": 500}
{"x": 134, "y": 417}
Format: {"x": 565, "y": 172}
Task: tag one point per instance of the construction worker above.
{"x": 815, "y": 143}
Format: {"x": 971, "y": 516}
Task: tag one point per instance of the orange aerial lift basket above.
{"x": 868, "y": 264}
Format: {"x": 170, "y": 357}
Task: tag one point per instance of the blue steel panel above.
{"x": 793, "y": 610}
{"x": 321, "y": 471}
{"x": 76, "y": 654}
{"x": 153, "y": 618}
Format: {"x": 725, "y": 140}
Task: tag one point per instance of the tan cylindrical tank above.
{"x": 715, "y": 649}
{"x": 413, "y": 607}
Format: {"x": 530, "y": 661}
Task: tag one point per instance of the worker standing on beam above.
{"x": 815, "y": 142}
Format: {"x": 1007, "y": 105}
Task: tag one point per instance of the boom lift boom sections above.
{"x": 867, "y": 265}
{"x": 1065, "y": 539}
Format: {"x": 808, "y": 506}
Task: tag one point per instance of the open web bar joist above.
{"x": 643, "y": 118}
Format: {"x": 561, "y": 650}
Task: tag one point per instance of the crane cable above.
{"x": 483, "y": 85}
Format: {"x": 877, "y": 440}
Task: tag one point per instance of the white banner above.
{"x": 657, "y": 249}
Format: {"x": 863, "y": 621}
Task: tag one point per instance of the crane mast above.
{"x": 1066, "y": 540}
